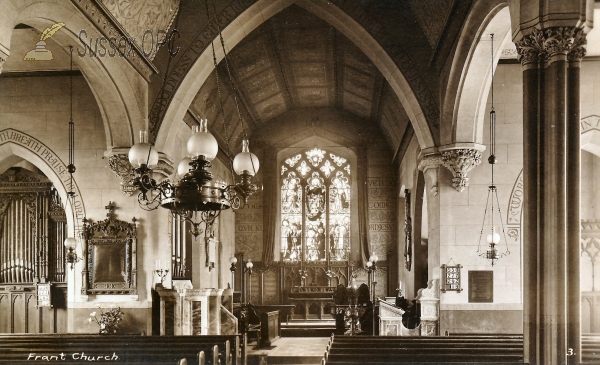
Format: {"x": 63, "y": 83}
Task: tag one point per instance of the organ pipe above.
{"x": 32, "y": 230}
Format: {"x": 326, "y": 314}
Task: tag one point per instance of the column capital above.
{"x": 118, "y": 162}
{"x": 460, "y": 162}
{"x": 541, "y": 45}
{"x": 428, "y": 161}
{"x": 429, "y": 164}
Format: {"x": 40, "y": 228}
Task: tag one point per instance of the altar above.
{"x": 312, "y": 302}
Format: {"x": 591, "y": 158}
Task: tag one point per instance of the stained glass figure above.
{"x": 315, "y": 207}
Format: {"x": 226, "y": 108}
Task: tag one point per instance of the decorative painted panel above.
{"x": 383, "y": 226}
{"x": 147, "y": 22}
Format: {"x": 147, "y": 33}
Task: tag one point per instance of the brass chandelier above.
{"x": 197, "y": 197}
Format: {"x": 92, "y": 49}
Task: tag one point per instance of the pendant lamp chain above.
{"x": 493, "y": 238}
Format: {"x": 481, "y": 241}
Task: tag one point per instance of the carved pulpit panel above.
{"x": 110, "y": 250}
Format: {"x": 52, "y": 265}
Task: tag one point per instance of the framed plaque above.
{"x": 44, "y": 295}
{"x": 481, "y": 286}
{"x": 451, "y": 276}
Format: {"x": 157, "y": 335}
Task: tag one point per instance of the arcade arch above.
{"x": 120, "y": 92}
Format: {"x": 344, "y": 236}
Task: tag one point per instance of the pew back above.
{"x": 70, "y": 348}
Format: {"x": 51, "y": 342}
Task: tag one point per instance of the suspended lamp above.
{"x": 70, "y": 242}
{"x": 493, "y": 238}
{"x": 197, "y": 197}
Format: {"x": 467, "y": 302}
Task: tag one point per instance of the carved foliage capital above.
{"x": 460, "y": 162}
{"x": 119, "y": 164}
{"x": 430, "y": 161}
{"x": 540, "y": 45}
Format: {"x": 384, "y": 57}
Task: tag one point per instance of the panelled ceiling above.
{"x": 296, "y": 61}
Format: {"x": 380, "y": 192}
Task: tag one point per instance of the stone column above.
{"x": 551, "y": 308}
{"x": 573, "y": 198}
{"x": 430, "y": 165}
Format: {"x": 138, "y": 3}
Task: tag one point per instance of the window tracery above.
{"x": 315, "y": 207}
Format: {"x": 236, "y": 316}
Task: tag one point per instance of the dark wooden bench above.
{"x": 464, "y": 349}
{"x": 70, "y": 348}
{"x": 590, "y": 348}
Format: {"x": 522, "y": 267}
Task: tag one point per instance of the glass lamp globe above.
{"x": 249, "y": 264}
{"x": 493, "y": 237}
{"x": 246, "y": 161}
{"x": 143, "y": 153}
{"x": 202, "y": 143}
{"x": 70, "y": 242}
{"x": 233, "y": 260}
{"x": 184, "y": 166}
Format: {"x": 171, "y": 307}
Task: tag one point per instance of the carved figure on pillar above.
{"x": 460, "y": 162}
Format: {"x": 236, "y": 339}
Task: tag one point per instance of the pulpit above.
{"x": 390, "y": 321}
{"x": 188, "y": 311}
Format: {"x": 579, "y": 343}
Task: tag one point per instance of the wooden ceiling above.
{"x": 296, "y": 61}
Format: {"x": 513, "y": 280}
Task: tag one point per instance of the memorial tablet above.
{"x": 481, "y": 286}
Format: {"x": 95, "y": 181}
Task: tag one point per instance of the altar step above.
{"x": 308, "y": 328}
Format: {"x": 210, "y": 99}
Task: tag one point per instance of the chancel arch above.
{"x": 189, "y": 86}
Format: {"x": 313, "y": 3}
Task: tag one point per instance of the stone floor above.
{"x": 290, "y": 350}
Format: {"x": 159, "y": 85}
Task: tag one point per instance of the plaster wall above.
{"x": 461, "y": 216}
{"x": 590, "y": 163}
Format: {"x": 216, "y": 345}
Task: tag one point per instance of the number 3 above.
{"x": 570, "y": 352}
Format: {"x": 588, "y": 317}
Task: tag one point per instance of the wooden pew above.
{"x": 590, "y": 348}
{"x": 469, "y": 349}
{"x": 69, "y": 348}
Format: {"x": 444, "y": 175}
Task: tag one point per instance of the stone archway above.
{"x": 120, "y": 92}
{"x": 470, "y": 75}
{"x": 195, "y": 65}
{"x": 15, "y": 144}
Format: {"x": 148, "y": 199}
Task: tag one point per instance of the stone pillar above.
{"x": 430, "y": 165}
{"x": 550, "y": 102}
{"x": 573, "y": 198}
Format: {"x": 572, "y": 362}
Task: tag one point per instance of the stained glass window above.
{"x": 315, "y": 207}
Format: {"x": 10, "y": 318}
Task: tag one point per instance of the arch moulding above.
{"x": 14, "y": 143}
{"x": 195, "y": 65}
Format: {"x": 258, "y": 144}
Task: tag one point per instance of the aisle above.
{"x": 290, "y": 350}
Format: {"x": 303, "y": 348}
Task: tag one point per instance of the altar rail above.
{"x": 72, "y": 349}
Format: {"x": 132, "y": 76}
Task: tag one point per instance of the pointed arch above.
{"x": 16, "y": 145}
{"x": 469, "y": 79}
{"x": 183, "y": 87}
{"x": 120, "y": 92}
